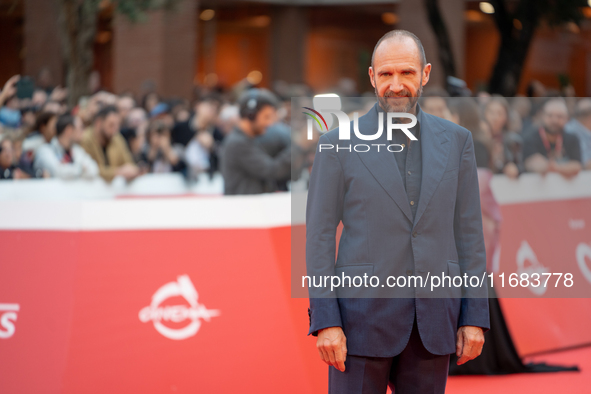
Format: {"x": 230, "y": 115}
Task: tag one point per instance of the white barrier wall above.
{"x": 93, "y": 205}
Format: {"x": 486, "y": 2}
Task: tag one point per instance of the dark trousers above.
{"x": 414, "y": 371}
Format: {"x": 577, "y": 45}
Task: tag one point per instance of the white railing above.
{"x": 172, "y": 184}
{"x": 82, "y": 205}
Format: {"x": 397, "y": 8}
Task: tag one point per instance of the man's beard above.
{"x": 551, "y": 130}
{"x": 411, "y": 101}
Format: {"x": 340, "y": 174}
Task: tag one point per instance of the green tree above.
{"x": 78, "y": 21}
{"x": 517, "y": 22}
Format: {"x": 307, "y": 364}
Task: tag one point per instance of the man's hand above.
{"x": 128, "y": 171}
{"x": 538, "y": 163}
{"x": 511, "y": 170}
{"x": 58, "y": 94}
{"x": 19, "y": 174}
{"x": 569, "y": 169}
{"x": 469, "y": 343}
{"x": 332, "y": 346}
{"x": 9, "y": 88}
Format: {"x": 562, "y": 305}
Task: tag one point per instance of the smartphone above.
{"x": 24, "y": 88}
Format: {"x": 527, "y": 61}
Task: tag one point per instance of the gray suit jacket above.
{"x": 247, "y": 168}
{"x": 364, "y": 190}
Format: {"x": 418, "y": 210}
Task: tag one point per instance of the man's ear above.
{"x": 426, "y": 74}
{"x": 370, "y": 71}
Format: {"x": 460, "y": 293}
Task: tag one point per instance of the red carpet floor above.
{"x": 539, "y": 383}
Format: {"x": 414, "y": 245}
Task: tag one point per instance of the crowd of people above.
{"x": 246, "y": 136}
{"x": 522, "y": 134}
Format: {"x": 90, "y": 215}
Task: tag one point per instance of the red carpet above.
{"x": 539, "y": 383}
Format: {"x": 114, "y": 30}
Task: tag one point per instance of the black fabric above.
{"x": 276, "y": 138}
{"x": 182, "y": 133}
{"x": 26, "y": 165}
{"x": 214, "y": 158}
{"x": 7, "y": 173}
{"x": 409, "y": 160}
{"x": 499, "y": 356}
{"x": 481, "y": 153}
{"x": 106, "y": 155}
{"x": 414, "y": 371}
{"x": 571, "y": 148}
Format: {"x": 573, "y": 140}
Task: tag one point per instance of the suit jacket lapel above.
{"x": 435, "y": 153}
{"x": 382, "y": 164}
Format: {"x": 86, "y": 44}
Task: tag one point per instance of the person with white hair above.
{"x": 228, "y": 118}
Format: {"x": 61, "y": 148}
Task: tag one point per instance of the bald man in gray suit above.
{"x": 409, "y": 213}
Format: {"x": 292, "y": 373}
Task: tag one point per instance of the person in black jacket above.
{"x": 550, "y": 149}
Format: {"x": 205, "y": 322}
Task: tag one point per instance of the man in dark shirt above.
{"x": 371, "y": 343}
{"x": 246, "y": 167}
{"x": 550, "y": 149}
{"x": 409, "y": 160}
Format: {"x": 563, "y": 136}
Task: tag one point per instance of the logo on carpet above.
{"x": 584, "y": 255}
{"x": 175, "y": 315}
{"x": 527, "y": 262}
{"x": 8, "y": 319}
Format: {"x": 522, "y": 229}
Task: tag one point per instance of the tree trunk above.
{"x": 446, "y": 56}
{"x": 78, "y": 22}
{"x": 507, "y": 71}
{"x": 513, "y": 48}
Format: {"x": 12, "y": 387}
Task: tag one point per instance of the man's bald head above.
{"x": 556, "y": 105}
{"x": 401, "y": 34}
{"x": 398, "y": 71}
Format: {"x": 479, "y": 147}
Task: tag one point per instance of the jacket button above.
{"x": 414, "y": 234}
{"x": 408, "y": 272}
